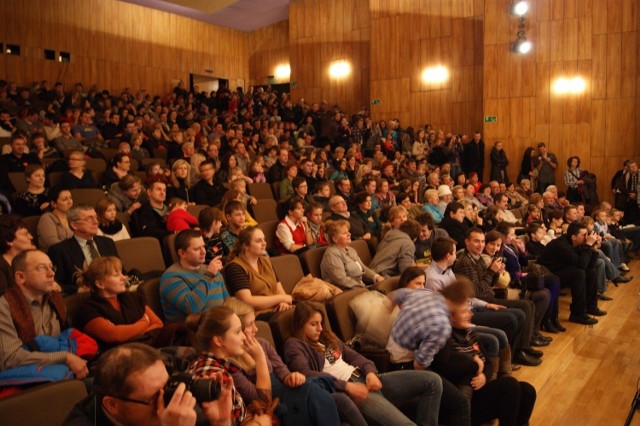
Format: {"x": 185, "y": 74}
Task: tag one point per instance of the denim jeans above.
{"x": 398, "y": 387}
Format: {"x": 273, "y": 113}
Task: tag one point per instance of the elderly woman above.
{"x": 112, "y": 315}
{"x": 120, "y": 167}
{"x": 77, "y": 177}
{"x": 180, "y": 181}
{"x": 14, "y": 238}
{"x": 35, "y": 200}
{"x": 53, "y": 226}
{"x": 341, "y": 264}
{"x": 250, "y": 276}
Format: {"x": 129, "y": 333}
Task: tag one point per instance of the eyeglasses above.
{"x": 42, "y": 268}
{"x": 88, "y": 219}
{"x": 150, "y": 402}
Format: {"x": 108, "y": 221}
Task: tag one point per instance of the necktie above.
{"x": 93, "y": 250}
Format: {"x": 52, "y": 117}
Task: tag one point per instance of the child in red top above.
{"x": 179, "y": 218}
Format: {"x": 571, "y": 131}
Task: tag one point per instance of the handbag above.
{"x": 535, "y": 276}
{"x": 314, "y": 289}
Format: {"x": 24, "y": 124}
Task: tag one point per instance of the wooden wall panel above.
{"x": 116, "y": 45}
{"x": 325, "y": 31}
{"x": 409, "y": 36}
{"x": 268, "y": 49}
{"x": 596, "y": 40}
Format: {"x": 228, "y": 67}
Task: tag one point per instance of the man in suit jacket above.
{"x": 74, "y": 254}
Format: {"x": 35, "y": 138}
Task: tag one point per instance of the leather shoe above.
{"x": 549, "y": 327}
{"x": 556, "y": 324}
{"x": 533, "y": 352}
{"x": 541, "y": 337}
{"x": 523, "y": 358}
{"x": 537, "y": 341}
{"x": 604, "y": 297}
{"x": 582, "y": 319}
{"x": 597, "y": 312}
{"x": 622, "y": 280}
{"x": 515, "y": 367}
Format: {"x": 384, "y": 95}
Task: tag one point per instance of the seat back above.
{"x": 387, "y": 286}
{"x": 265, "y": 210}
{"x": 162, "y": 161}
{"x": 340, "y": 314}
{"x": 276, "y": 190}
{"x": 31, "y": 223}
{"x": 311, "y": 260}
{"x": 48, "y": 404}
{"x": 151, "y": 290}
{"x": 18, "y": 181}
{"x": 96, "y": 165}
{"x": 142, "y": 253}
{"x": 288, "y": 269}
{"x": 73, "y": 302}
{"x": 54, "y": 179}
{"x": 269, "y": 229}
{"x": 261, "y": 191}
{"x": 169, "y": 247}
{"x": 87, "y": 196}
{"x": 264, "y": 331}
{"x": 362, "y": 248}
{"x": 124, "y": 219}
{"x": 195, "y": 210}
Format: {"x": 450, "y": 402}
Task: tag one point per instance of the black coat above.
{"x": 67, "y": 256}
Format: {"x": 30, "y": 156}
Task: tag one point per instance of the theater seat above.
{"x": 265, "y": 210}
{"x": 269, "y": 229}
{"x": 143, "y": 254}
{"x": 311, "y": 260}
{"x": 48, "y": 404}
{"x": 264, "y": 331}
{"x": 288, "y": 269}
{"x": 151, "y": 290}
{"x": 87, "y": 196}
{"x": 261, "y": 191}
{"x": 73, "y": 303}
{"x": 362, "y": 248}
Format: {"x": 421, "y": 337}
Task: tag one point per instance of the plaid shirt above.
{"x": 207, "y": 365}
{"x": 423, "y": 324}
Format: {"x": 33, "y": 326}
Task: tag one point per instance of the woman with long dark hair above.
{"x": 315, "y": 351}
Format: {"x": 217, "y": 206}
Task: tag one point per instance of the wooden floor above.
{"x": 589, "y": 373}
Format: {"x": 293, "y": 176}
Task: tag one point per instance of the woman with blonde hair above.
{"x": 341, "y": 264}
{"x": 306, "y": 400}
{"x": 113, "y": 315}
{"x": 180, "y": 181}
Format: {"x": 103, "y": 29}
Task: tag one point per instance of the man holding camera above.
{"x": 129, "y": 389}
{"x": 573, "y": 258}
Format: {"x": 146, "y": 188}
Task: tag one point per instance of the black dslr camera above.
{"x": 204, "y": 390}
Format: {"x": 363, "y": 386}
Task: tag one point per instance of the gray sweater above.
{"x": 395, "y": 253}
{"x": 344, "y": 268}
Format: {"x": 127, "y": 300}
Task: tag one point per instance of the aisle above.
{"x": 589, "y": 373}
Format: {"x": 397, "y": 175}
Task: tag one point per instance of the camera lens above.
{"x": 204, "y": 390}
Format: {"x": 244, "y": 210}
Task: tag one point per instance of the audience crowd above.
{"x": 228, "y": 181}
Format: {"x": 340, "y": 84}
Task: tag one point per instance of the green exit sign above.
{"x": 375, "y": 102}
{"x": 490, "y": 118}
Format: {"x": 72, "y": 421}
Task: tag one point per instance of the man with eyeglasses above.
{"x": 128, "y": 390}
{"x": 74, "y": 254}
{"x": 31, "y": 309}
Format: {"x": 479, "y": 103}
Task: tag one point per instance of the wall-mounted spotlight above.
{"x": 565, "y": 85}
{"x": 521, "y": 45}
{"x": 339, "y": 69}
{"x": 435, "y": 74}
{"x": 520, "y": 8}
{"x": 283, "y": 72}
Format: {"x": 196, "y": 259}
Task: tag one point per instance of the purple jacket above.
{"x": 246, "y": 384}
{"x": 302, "y": 357}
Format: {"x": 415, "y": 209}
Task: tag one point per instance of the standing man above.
{"x": 546, "y": 163}
{"x": 473, "y": 153}
{"x": 628, "y": 186}
{"x": 189, "y": 285}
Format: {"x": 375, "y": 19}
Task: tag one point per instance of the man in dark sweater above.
{"x": 572, "y": 257}
{"x": 207, "y": 191}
